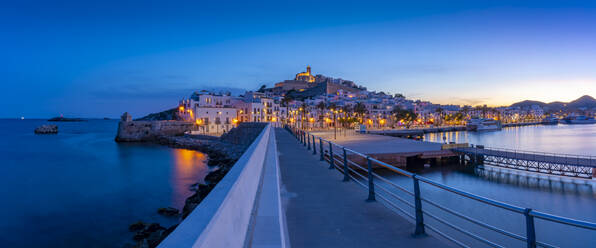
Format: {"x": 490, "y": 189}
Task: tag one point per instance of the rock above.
{"x": 47, "y": 129}
{"x": 167, "y": 232}
{"x": 154, "y": 227}
{"x": 139, "y": 225}
{"x": 169, "y": 211}
{"x": 139, "y": 236}
{"x": 65, "y": 119}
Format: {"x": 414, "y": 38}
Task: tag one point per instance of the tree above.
{"x": 359, "y": 109}
{"x": 406, "y": 116}
{"x": 399, "y": 95}
{"x": 285, "y": 102}
{"x": 303, "y": 108}
{"x": 262, "y": 89}
{"x": 321, "y": 106}
{"x": 439, "y": 110}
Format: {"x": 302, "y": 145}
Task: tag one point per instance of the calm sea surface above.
{"x": 79, "y": 188}
{"x": 574, "y": 199}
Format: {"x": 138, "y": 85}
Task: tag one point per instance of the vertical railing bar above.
{"x": 314, "y": 145}
{"x": 331, "y": 161}
{"x": 321, "y": 151}
{"x": 346, "y": 170}
{"x": 371, "y": 185}
{"x": 530, "y": 230}
{"x": 418, "y": 204}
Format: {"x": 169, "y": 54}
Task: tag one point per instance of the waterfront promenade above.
{"x": 378, "y": 144}
{"x": 323, "y": 211}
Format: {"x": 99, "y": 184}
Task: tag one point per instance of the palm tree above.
{"x": 303, "y": 113}
{"x": 321, "y": 106}
{"x": 439, "y": 110}
{"x": 406, "y": 116}
{"x": 360, "y": 109}
{"x": 285, "y": 102}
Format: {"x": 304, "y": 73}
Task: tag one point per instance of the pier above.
{"x": 399, "y": 152}
{"x": 549, "y": 163}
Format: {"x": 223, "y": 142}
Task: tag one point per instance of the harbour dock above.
{"x": 400, "y": 152}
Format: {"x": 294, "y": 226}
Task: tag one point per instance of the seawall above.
{"x": 141, "y": 131}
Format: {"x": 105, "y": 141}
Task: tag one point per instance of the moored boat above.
{"x": 550, "y": 121}
{"x": 580, "y": 119}
{"x": 483, "y": 124}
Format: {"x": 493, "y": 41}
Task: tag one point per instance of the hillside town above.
{"x": 318, "y": 102}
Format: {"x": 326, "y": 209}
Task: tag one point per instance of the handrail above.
{"x": 586, "y": 156}
{"x": 529, "y": 214}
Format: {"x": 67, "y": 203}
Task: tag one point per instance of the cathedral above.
{"x": 305, "y": 76}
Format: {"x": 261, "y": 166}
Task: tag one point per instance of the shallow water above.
{"x": 80, "y": 188}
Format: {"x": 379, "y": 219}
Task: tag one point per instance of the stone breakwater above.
{"x": 222, "y": 153}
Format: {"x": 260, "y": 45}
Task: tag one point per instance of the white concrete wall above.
{"x": 223, "y": 219}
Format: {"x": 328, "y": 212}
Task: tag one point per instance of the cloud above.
{"x": 470, "y": 101}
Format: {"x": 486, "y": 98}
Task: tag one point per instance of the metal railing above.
{"x": 351, "y": 171}
{"x": 561, "y": 158}
{"x": 552, "y": 154}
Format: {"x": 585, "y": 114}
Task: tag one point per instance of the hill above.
{"x": 586, "y": 102}
{"x": 170, "y": 114}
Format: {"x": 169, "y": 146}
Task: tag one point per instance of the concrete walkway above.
{"x": 323, "y": 211}
{"x": 378, "y": 144}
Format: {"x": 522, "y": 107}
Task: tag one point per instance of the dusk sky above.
{"x": 100, "y": 59}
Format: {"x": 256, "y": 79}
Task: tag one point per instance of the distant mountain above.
{"x": 586, "y": 101}
{"x": 583, "y": 102}
{"x": 528, "y": 103}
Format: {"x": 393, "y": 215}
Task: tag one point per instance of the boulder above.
{"x": 169, "y": 211}
{"x": 139, "y": 225}
{"x": 47, "y": 129}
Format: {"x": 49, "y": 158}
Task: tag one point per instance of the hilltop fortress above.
{"x": 305, "y": 84}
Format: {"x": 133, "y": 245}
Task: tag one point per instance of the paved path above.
{"x": 323, "y": 211}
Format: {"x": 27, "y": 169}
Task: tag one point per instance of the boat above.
{"x": 483, "y": 124}
{"x": 550, "y": 121}
{"x": 580, "y": 119}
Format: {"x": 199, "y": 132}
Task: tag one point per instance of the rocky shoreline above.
{"x": 222, "y": 152}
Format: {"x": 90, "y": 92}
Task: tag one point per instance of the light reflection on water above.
{"x": 188, "y": 167}
{"x": 569, "y": 139}
{"x": 79, "y": 188}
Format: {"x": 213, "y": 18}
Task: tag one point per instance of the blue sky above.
{"x": 100, "y": 59}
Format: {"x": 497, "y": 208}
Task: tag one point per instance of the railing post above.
{"x": 346, "y": 170}
{"x": 308, "y": 141}
{"x": 304, "y": 138}
{"x": 331, "y": 160}
{"x": 371, "y": 185}
{"x": 321, "y": 151}
{"x": 418, "y": 204}
{"x": 530, "y": 231}
{"x": 314, "y": 145}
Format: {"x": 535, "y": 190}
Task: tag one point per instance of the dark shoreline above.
{"x": 222, "y": 153}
